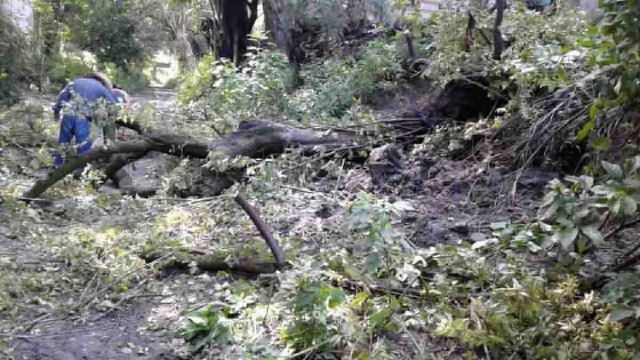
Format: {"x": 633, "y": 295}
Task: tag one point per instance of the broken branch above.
{"x": 278, "y": 254}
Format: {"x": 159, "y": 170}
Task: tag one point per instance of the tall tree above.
{"x": 104, "y": 28}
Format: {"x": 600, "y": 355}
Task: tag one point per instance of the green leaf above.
{"x": 381, "y": 317}
{"x": 629, "y": 205}
{"x": 567, "y": 238}
{"x": 336, "y": 297}
{"x": 620, "y": 314}
{"x": 631, "y": 183}
{"x": 613, "y": 170}
{"x": 548, "y": 214}
{"x": 352, "y": 271}
{"x": 586, "y": 130}
{"x": 600, "y": 144}
{"x": 372, "y": 263}
{"x": 198, "y": 319}
{"x": 586, "y": 182}
{"x": 594, "y": 235}
{"x": 548, "y": 199}
{"x": 618, "y": 87}
{"x": 615, "y": 207}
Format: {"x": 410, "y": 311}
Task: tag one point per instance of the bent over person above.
{"x": 77, "y": 124}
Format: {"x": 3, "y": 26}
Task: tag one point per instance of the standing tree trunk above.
{"x": 498, "y": 45}
{"x": 280, "y": 24}
{"x": 228, "y": 28}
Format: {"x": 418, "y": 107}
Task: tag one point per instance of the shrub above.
{"x": 62, "y": 69}
{"x": 332, "y": 86}
{"x": 231, "y": 95}
{"x": 131, "y": 79}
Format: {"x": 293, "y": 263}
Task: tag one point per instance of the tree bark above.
{"x": 253, "y": 139}
{"x": 280, "y": 23}
{"x": 498, "y": 45}
{"x": 96, "y": 153}
{"x": 213, "y": 263}
{"x": 278, "y": 254}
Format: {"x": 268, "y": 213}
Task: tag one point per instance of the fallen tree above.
{"x": 258, "y": 139}
{"x": 253, "y": 139}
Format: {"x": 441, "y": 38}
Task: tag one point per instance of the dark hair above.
{"x": 103, "y": 79}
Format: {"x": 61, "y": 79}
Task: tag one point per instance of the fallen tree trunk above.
{"x": 213, "y": 263}
{"x": 96, "y": 153}
{"x": 253, "y": 139}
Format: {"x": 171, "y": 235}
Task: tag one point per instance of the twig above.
{"x": 494, "y": 92}
{"x": 278, "y": 254}
{"x": 266, "y": 313}
{"x": 196, "y": 201}
{"x": 628, "y": 253}
{"x": 206, "y": 117}
{"x": 26, "y": 337}
{"x": 117, "y": 305}
{"x": 413, "y": 339}
{"x": 308, "y": 350}
{"x": 295, "y": 188}
{"x": 627, "y": 264}
{"x": 622, "y": 227}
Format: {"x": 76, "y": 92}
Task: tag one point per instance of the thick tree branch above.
{"x": 254, "y": 139}
{"x": 213, "y": 263}
{"x": 96, "y": 153}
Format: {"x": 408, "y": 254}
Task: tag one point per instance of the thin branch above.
{"x": 627, "y": 264}
{"x": 622, "y": 227}
{"x": 206, "y": 117}
{"x": 278, "y": 254}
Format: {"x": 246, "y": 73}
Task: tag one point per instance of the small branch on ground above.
{"x": 621, "y": 227}
{"x": 278, "y": 254}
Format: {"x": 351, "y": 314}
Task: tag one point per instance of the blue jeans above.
{"x": 70, "y": 127}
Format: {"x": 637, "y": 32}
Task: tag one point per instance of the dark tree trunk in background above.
{"x": 51, "y": 36}
{"x": 228, "y": 28}
{"x": 498, "y": 45}
{"x": 279, "y": 22}
{"x": 235, "y": 23}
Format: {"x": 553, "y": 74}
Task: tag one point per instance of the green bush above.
{"x": 231, "y": 95}
{"x": 131, "y": 80}
{"x": 332, "y": 86}
{"x": 197, "y": 82}
{"x": 62, "y": 69}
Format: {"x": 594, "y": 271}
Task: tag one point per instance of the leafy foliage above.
{"x": 259, "y": 88}
{"x": 104, "y": 29}
{"x": 578, "y": 212}
{"x": 203, "y": 327}
{"x": 62, "y": 69}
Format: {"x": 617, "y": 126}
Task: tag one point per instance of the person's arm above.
{"x": 64, "y": 96}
